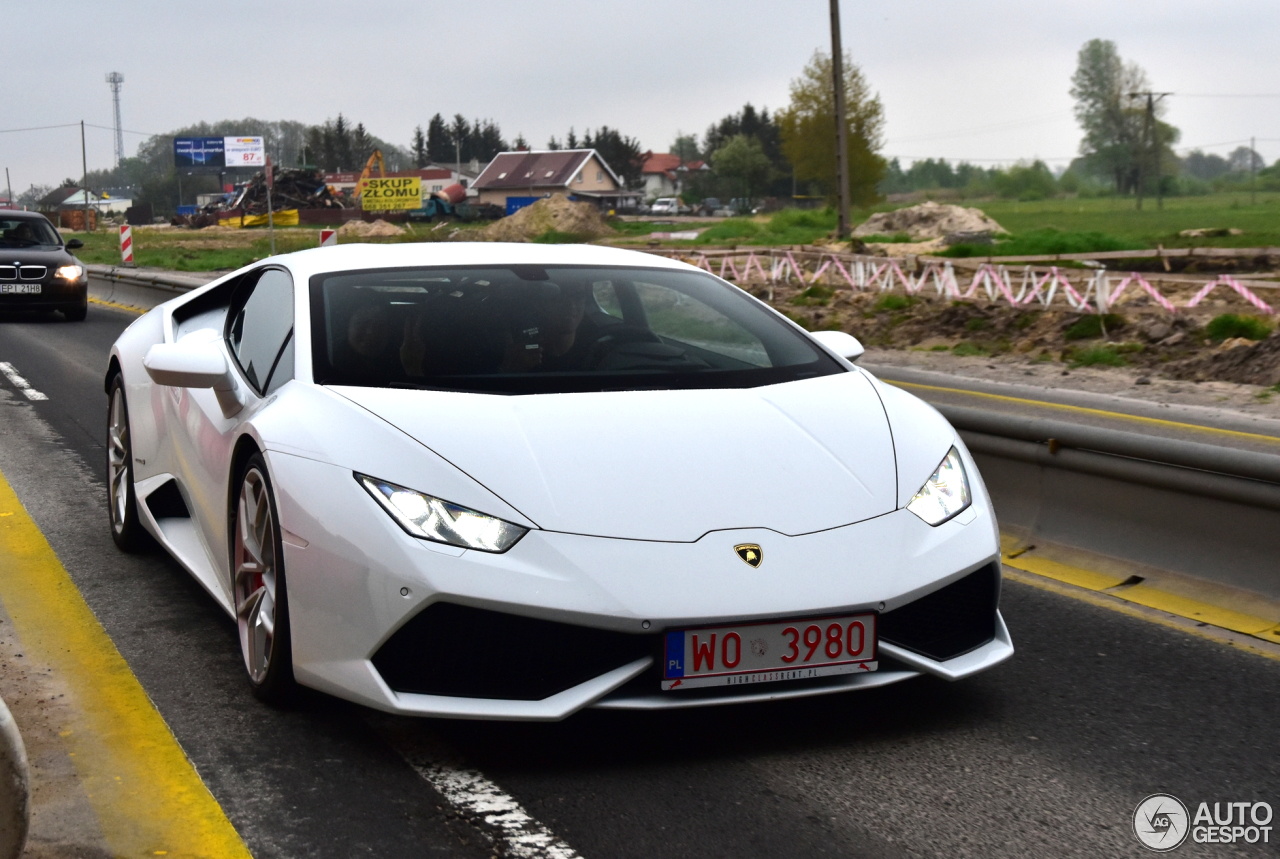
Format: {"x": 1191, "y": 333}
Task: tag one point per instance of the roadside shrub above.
{"x": 976, "y": 323}
{"x": 1230, "y": 325}
{"x": 1107, "y": 356}
{"x": 555, "y": 237}
{"x": 814, "y": 296}
{"x": 890, "y": 301}
{"x": 966, "y": 349}
{"x": 1088, "y": 327}
{"x": 1043, "y": 241}
{"x": 729, "y": 229}
{"x": 896, "y": 238}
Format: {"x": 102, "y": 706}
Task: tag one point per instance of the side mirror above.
{"x": 74, "y": 244}
{"x": 844, "y": 345}
{"x": 196, "y": 361}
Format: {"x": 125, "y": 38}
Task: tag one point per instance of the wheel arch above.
{"x": 113, "y": 370}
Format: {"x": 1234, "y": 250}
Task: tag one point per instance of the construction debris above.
{"x": 292, "y": 190}
{"x": 550, "y": 214}
{"x": 1211, "y": 232}
{"x": 366, "y": 229}
{"x": 929, "y": 221}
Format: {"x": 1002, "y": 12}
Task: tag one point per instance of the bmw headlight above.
{"x": 438, "y": 520}
{"x": 944, "y": 494}
{"x": 70, "y": 272}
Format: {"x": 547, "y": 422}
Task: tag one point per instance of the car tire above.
{"x": 76, "y": 312}
{"x": 122, "y": 502}
{"x": 258, "y": 585}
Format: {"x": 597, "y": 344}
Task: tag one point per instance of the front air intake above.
{"x": 949, "y": 622}
{"x": 466, "y": 652}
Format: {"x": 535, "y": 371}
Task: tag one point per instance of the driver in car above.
{"x": 549, "y": 344}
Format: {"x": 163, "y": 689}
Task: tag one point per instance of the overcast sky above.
{"x": 979, "y": 80}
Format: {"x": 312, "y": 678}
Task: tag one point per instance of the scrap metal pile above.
{"x": 292, "y": 189}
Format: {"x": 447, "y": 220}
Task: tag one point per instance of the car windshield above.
{"x": 26, "y": 232}
{"x": 553, "y": 329}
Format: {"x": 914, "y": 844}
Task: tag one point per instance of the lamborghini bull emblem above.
{"x": 750, "y": 552}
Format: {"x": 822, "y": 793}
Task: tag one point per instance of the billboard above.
{"x": 218, "y": 153}
{"x": 199, "y": 152}
{"x": 391, "y": 192}
{"x": 245, "y": 152}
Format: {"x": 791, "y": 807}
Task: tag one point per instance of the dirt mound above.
{"x": 551, "y": 213}
{"x": 365, "y": 229}
{"x": 1237, "y": 361}
{"x": 929, "y": 221}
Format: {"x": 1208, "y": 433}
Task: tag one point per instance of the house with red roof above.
{"x": 518, "y": 179}
{"x": 665, "y": 175}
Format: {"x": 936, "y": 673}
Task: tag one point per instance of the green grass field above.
{"x": 1045, "y": 226}
{"x": 1118, "y": 219}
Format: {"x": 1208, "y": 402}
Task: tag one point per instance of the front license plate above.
{"x": 768, "y": 652}
{"x": 19, "y": 289}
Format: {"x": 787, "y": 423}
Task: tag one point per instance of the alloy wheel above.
{"x": 255, "y": 574}
{"x": 118, "y": 453}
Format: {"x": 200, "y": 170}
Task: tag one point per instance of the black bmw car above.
{"x": 37, "y": 270}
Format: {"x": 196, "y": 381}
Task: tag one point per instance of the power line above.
{"x": 1229, "y": 95}
{"x": 38, "y": 128}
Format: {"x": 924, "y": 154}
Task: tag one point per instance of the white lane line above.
{"x": 20, "y": 383}
{"x": 476, "y": 798}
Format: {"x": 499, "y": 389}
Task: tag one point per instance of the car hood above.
{"x": 37, "y": 255}
{"x": 664, "y": 465}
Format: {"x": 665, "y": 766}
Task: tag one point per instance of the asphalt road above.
{"x": 1047, "y": 754}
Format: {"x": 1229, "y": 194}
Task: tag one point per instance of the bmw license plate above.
{"x": 19, "y": 289}
{"x": 767, "y": 652}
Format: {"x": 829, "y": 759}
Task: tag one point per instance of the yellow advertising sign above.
{"x": 399, "y": 192}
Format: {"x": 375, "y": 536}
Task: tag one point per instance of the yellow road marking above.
{"x": 1146, "y": 595}
{"x": 146, "y": 794}
{"x": 105, "y": 303}
{"x": 1077, "y": 576}
{"x": 1108, "y": 601}
{"x": 1087, "y": 411}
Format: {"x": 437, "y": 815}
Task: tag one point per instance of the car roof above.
{"x": 348, "y": 257}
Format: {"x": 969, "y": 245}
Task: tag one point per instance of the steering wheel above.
{"x": 614, "y": 336}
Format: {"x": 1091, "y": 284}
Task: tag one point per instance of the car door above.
{"x": 258, "y": 335}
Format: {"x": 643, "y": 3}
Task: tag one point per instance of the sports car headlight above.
{"x": 70, "y": 272}
{"x": 944, "y": 494}
{"x": 441, "y": 521}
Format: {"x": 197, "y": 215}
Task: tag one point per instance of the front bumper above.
{"x": 359, "y": 587}
{"x": 55, "y": 294}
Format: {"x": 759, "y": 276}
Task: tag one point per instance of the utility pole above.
{"x": 9, "y": 185}
{"x": 842, "y": 146}
{"x": 1150, "y": 146}
{"x": 84, "y": 182}
{"x": 115, "y": 79}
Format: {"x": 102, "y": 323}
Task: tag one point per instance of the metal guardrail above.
{"x": 1227, "y": 474}
{"x": 174, "y": 283}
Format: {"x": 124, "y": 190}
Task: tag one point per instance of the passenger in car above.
{"x": 367, "y": 353}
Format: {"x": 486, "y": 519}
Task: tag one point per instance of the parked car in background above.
{"x": 710, "y": 206}
{"x": 665, "y": 206}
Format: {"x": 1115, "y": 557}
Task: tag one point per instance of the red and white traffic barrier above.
{"x": 328, "y": 238}
{"x": 995, "y": 281}
{"x": 126, "y": 244}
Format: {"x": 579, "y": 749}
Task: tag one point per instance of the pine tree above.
{"x": 419, "y": 148}
{"x": 439, "y": 145}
